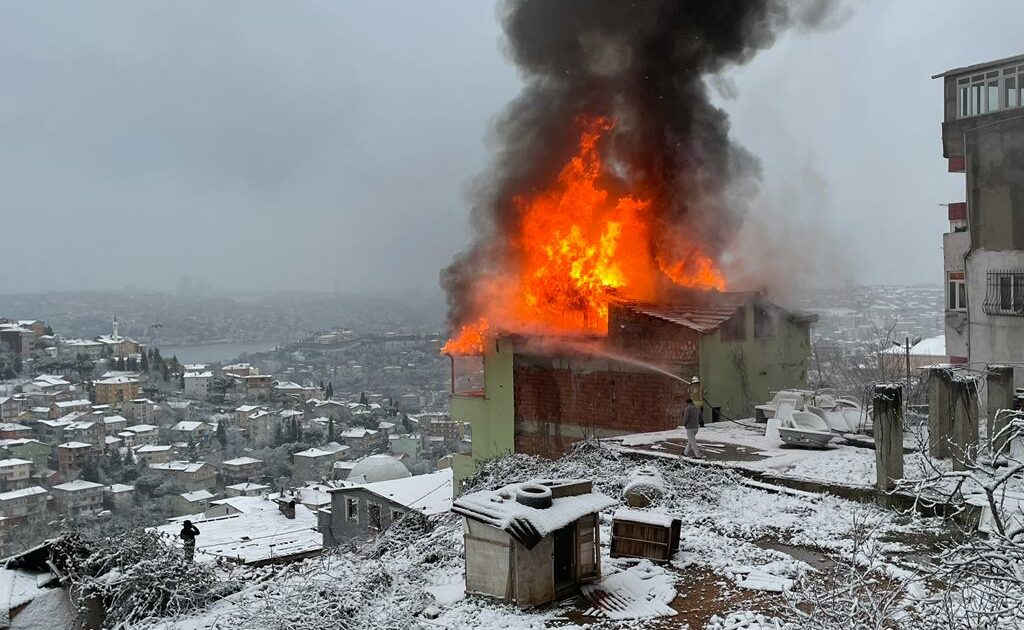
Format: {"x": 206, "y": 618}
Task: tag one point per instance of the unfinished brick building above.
{"x": 540, "y": 395}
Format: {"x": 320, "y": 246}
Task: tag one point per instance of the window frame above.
{"x": 956, "y": 292}
{"x": 1005, "y": 292}
{"x": 974, "y": 91}
{"x": 351, "y": 502}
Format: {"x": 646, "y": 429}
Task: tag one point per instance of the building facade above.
{"x": 983, "y": 252}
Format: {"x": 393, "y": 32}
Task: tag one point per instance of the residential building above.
{"x": 258, "y": 387}
{"x": 315, "y": 464}
{"x": 142, "y": 410}
{"x": 247, "y": 489}
{"x": 360, "y": 511}
{"x": 15, "y": 473}
{"x": 88, "y": 431}
{"x": 192, "y": 502}
{"x": 112, "y": 425}
{"x": 197, "y": 384}
{"x": 17, "y": 339}
{"x": 11, "y": 407}
{"x": 149, "y": 454}
{"x": 23, "y": 504}
{"x": 191, "y": 475}
{"x": 738, "y": 346}
{"x": 14, "y": 431}
{"x": 362, "y": 441}
{"x": 119, "y": 496}
{"x": 64, "y": 407}
{"x": 239, "y": 370}
{"x": 983, "y": 252}
{"x": 33, "y": 450}
{"x": 72, "y": 457}
{"x": 116, "y": 390}
{"x": 410, "y": 445}
{"x": 78, "y": 498}
{"x": 143, "y": 434}
{"x": 191, "y": 432}
{"x": 240, "y": 470}
{"x": 51, "y": 431}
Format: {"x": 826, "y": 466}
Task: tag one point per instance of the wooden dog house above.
{"x": 534, "y": 542}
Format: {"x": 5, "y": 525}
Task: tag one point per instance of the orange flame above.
{"x": 577, "y": 248}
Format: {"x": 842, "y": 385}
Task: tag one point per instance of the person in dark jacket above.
{"x": 691, "y": 423}
{"x": 188, "y": 536}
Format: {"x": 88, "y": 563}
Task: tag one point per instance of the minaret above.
{"x": 117, "y": 339}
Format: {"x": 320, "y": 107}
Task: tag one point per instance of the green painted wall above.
{"x": 491, "y": 416}
{"x": 737, "y": 375}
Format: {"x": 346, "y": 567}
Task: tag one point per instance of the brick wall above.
{"x": 652, "y": 339}
{"x": 561, "y": 401}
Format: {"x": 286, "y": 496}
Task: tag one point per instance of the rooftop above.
{"x": 76, "y": 486}
{"x": 428, "y": 494}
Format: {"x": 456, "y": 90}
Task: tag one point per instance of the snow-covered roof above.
{"x": 118, "y": 488}
{"x": 74, "y": 445}
{"x": 13, "y": 426}
{"x": 357, "y": 433}
{"x": 248, "y": 486}
{"x": 196, "y": 495}
{"x": 117, "y": 380}
{"x": 187, "y": 425}
{"x": 253, "y": 537}
{"x": 428, "y": 494}
{"x": 81, "y": 402}
{"x": 242, "y": 461}
{"x": 245, "y": 505}
{"x": 153, "y": 448}
{"x": 247, "y": 408}
{"x": 141, "y": 428}
{"x": 323, "y": 451}
{"x": 13, "y": 461}
{"x": 23, "y": 492}
{"x": 78, "y": 485}
{"x": 110, "y": 439}
{"x": 114, "y": 419}
{"x": 289, "y": 413}
{"x": 188, "y": 467}
{"x": 198, "y": 375}
{"x": 500, "y": 509}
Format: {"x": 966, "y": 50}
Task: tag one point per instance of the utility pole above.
{"x": 906, "y": 398}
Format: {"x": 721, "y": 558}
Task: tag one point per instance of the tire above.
{"x": 534, "y": 495}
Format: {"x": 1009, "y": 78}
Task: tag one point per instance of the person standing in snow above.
{"x": 691, "y": 423}
{"x": 188, "y": 535}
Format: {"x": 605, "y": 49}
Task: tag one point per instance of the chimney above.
{"x": 287, "y": 508}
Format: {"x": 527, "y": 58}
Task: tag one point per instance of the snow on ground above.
{"x": 409, "y": 578}
{"x": 637, "y": 592}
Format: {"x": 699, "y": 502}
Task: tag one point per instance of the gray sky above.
{"x": 295, "y": 144}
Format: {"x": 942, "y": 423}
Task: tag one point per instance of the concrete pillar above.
{"x": 964, "y": 396}
{"x": 999, "y": 388}
{"x": 940, "y": 412}
{"x": 887, "y": 415}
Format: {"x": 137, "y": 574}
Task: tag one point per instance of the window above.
{"x": 956, "y": 292}
{"x": 764, "y": 323}
{"x": 735, "y": 328}
{"x": 1005, "y": 293}
{"x": 352, "y": 510}
{"x": 991, "y": 91}
{"x": 373, "y": 515}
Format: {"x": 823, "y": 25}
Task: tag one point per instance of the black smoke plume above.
{"x": 644, "y": 63}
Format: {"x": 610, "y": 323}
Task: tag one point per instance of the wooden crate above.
{"x": 639, "y": 538}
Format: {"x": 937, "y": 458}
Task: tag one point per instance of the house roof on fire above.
{"x": 706, "y": 313}
{"x": 502, "y": 509}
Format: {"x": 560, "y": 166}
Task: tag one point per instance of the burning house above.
{"x": 599, "y": 281}
{"x": 539, "y": 395}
